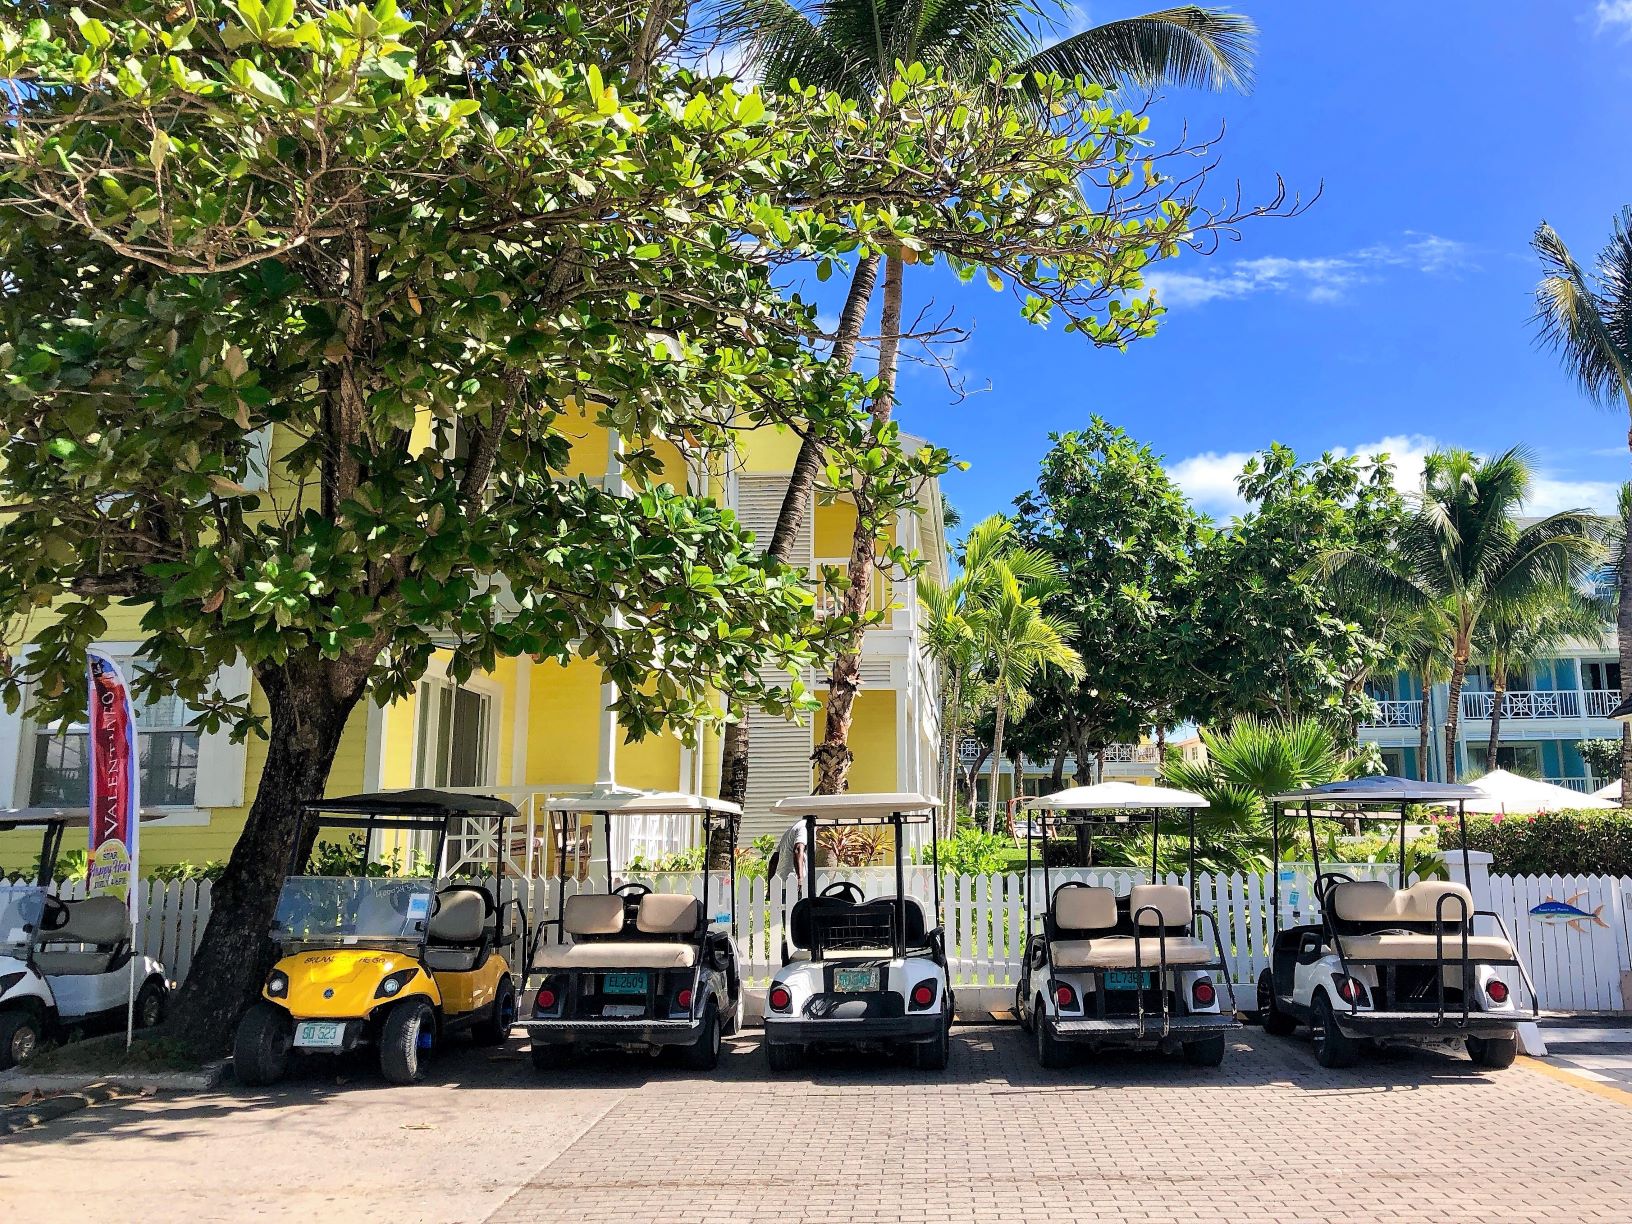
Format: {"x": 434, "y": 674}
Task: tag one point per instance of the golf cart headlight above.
{"x": 8, "y": 980}
{"x": 391, "y": 986}
{"x": 277, "y": 985}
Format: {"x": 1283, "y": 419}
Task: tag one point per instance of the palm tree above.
{"x": 1516, "y": 635}
{"x": 1417, "y": 642}
{"x": 852, "y": 47}
{"x": 1462, "y": 552}
{"x": 1590, "y": 325}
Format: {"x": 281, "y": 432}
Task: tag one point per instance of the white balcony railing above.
{"x": 1585, "y": 785}
{"x": 1599, "y": 702}
{"x": 1131, "y": 754}
{"x": 1394, "y": 714}
{"x": 1560, "y": 703}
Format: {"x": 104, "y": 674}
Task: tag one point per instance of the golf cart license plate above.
{"x": 1127, "y": 979}
{"x": 624, "y": 983}
{"x": 320, "y": 1034}
{"x": 855, "y": 981}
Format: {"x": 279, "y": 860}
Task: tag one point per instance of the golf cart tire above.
{"x": 1025, "y": 1018}
{"x": 260, "y": 1048}
{"x": 1052, "y": 1053}
{"x": 784, "y": 1056}
{"x": 1208, "y": 1052}
{"x": 151, "y": 1001}
{"x": 1276, "y": 1022}
{"x": 704, "y": 1053}
{"x": 933, "y": 1055}
{"x": 400, "y": 1055}
{"x": 1333, "y": 1049}
{"x": 493, "y": 1029}
{"x": 22, "y": 1031}
{"x": 549, "y": 1057}
{"x": 1496, "y": 1053}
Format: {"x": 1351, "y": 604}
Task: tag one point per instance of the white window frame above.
{"x": 493, "y": 694}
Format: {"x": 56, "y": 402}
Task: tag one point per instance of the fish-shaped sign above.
{"x": 1568, "y": 912}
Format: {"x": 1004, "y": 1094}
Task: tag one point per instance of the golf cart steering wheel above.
{"x": 631, "y": 890}
{"x": 53, "y": 915}
{"x": 1328, "y": 880}
{"x": 844, "y": 888}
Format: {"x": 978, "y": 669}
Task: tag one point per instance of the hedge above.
{"x": 1557, "y": 843}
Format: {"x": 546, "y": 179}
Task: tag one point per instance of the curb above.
{"x": 18, "y": 1118}
{"x": 207, "y": 1077}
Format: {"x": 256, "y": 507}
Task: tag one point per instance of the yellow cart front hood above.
{"x": 342, "y": 983}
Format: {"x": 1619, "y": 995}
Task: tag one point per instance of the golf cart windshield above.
{"x": 21, "y": 907}
{"x": 345, "y": 907}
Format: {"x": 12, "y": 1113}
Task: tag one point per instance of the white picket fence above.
{"x": 1583, "y": 968}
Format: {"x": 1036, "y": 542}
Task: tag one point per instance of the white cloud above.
{"x": 1614, "y": 14}
{"x": 1209, "y": 478}
{"x": 730, "y": 60}
{"x": 1325, "y": 279}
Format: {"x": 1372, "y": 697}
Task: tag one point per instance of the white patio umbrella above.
{"x": 1612, "y": 791}
{"x": 1508, "y": 792}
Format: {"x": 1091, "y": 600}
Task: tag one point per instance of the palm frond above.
{"x": 780, "y": 43}
{"x": 1573, "y": 319}
{"x": 1188, "y": 46}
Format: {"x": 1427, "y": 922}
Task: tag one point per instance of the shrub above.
{"x": 1557, "y": 843}
{"x": 1603, "y": 757}
{"x": 972, "y": 852}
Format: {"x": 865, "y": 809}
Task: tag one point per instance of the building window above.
{"x": 453, "y": 736}
{"x": 1601, "y": 675}
{"x": 1393, "y": 762}
{"x": 166, "y": 749}
{"x": 1522, "y": 759}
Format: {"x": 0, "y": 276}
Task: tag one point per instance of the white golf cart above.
{"x": 1373, "y": 964}
{"x": 859, "y": 971}
{"x": 634, "y": 968}
{"x": 1121, "y": 971}
{"x": 66, "y": 966}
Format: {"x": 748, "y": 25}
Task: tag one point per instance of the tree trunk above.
{"x": 1056, "y": 780}
{"x": 833, "y": 755}
{"x": 795, "y": 508}
{"x": 1623, "y": 628}
{"x": 1453, "y": 712}
{"x": 999, "y": 712}
{"x": 1161, "y": 748}
{"x": 1498, "y": 686}
{"x": 949, "y": 794}
{"x": 310, "y": 703}
{"x": 1424, "y": 728}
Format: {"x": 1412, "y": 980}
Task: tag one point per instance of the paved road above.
{"x": 1596, "y": 1049}
{"x": 1268, "y": 1137}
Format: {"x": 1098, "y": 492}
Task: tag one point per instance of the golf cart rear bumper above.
{"x": 1120, "y": 1029}
{"x": 1422, "y": 1025}
{"x": 614, "y": 1032}
{"x": 919, "y": 1026}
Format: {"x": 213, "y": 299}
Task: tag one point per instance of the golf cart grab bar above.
{"x": 1439, "y": 952}
{"x": 1524, "y": 974}
{"x": 1161, "y": 976}
{"x": 1223, "y": 959}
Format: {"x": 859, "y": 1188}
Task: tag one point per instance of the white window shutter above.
{"x": 221, "y": 762}
{"x": 12, "y": 790}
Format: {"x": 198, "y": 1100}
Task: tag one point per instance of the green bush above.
{"x": 1557, "y": 843}
{"x": 971, "y": 852}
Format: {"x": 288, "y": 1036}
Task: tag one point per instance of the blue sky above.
{"x": 1395, "y": 312}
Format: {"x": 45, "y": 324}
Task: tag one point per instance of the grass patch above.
{"x": 108, "y": 1054}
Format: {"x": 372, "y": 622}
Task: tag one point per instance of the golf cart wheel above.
{"x": 1493, "y": 1052}
{"x": 1332, "y": 1048}
{"x": 704, "y": 1053}
{"x": 21, "y": 1032}
{"x": 1208, "y": 1052}
{"x": 783, "y": 1056}
{"x": 408, "y": 1027}
{"x": 934, "y": 1055}
{"x": 260, "y": 1048}
{"x": 549, "y": 1057}
{"x": 494, "y": 1028}
{"x": 1052, "y": 1053}
{"x": 1276, "y": 1022}
{"x": 1026, "y": 1019}
{"x": 150, "y": 1004}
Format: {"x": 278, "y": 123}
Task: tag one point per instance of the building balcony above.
{"x": 1541, "y": 705}
{"x": 1394, "y": 714}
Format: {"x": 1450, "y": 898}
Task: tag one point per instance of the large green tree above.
{"x": 1588, "y": 320}
{"x": 856, "y": 47}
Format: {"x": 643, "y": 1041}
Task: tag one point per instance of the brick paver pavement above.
{"x": 1270, "y": 1136}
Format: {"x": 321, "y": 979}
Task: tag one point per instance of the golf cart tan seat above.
{"x": 1093, "y": 909}
{"x": 603, "y": 939}
{"x": 454, "y": 939}
{"x": 1378, "y": 922}
{"x": 98, "y": 928}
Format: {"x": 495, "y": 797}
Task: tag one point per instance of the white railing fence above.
{"x": 1584, "y": 966}
{"x": 1556, "y": 703}
{"x": 1394, "y": 714}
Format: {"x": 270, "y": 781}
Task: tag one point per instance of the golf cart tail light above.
{"x": 923, "y": 995}
{"x": 683, "y": 999}
{"x": 1497, "y": 990}
{"x": 277, "y": 985}
{"x": 546, "y": 998}
{"x": 779, "y": 998}
{"x": 1203, "y": 993}
{"x": 1351, "y": 990}
{"x": 1064, "y": 996}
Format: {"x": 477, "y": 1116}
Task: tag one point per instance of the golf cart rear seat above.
{"x": 1377, "y": 922}
{"x": 99, "y": 930}
{"x": 603, "y": 938}
{"x": 1089, "y": 919}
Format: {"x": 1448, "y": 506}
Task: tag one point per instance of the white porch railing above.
{"x": 1599, "y": 702}
{"x": 1394, "y": 714}
{"x": 1560, "y": 703}
{"x": 1585, "y": 785}
{"x": 1132, "y": 754}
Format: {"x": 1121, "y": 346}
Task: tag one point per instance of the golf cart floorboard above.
{"x": 1114, "y": 1026}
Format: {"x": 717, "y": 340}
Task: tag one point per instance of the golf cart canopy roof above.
{"x": 1115, "y": 797}
{"x": 408, "y": 804}
{"x": 645, "y": 803}
{"x": 1382, "y": 789}
{"x": 860, "y": 807}
{"x": 69, "y": 818}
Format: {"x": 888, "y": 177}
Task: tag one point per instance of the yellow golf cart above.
{"x": 380, "y": 942}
